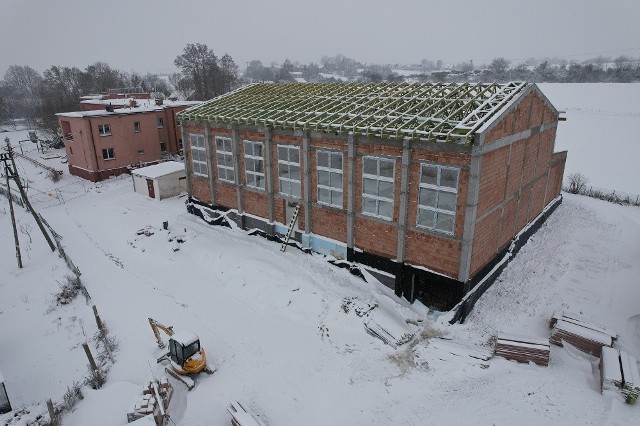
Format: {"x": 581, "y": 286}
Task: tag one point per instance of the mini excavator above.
{"x": 186, "y": 357}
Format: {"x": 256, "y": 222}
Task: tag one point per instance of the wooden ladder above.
{"x": 292, "y": 223}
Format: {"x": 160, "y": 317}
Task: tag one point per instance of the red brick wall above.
{"x": 437, "y": 253}
{"x": 200, "y": 189}
{"x": 328, "y": 222}
{"x": 376, "y": 236}
{"x": 505, "y": 209}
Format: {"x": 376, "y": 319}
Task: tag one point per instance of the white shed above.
{"x": 160, "y": 181}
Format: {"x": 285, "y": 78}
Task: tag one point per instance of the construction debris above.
{"x": 387, "y": 328}
{"x": 242, "y": 416}
{"x": 619, "y": 372}
{"x": 156, "y": 396}
{"x": 523, "y": 349}
{"x": 586, "y": 336}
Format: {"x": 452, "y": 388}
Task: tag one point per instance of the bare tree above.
{"x": 577, "y": 183}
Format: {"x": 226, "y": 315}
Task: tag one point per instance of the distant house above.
{"x": 426, "y": 185}
{"x": 113, "y": 135}
{"x": 161, "y": 180}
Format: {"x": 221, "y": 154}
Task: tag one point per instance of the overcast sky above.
{"x": 147, "y": 35}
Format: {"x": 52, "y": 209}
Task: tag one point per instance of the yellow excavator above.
{"x": 186, "y": 357}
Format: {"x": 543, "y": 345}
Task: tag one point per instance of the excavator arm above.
{"x": 155, "y": 326}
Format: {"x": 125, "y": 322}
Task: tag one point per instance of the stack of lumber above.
{"x": 439, "y": 350}
{"x": 523, "y": 349}
{"x": 156, "y": 396}
{"x": 387, "y": 327}
{"x": 619, "y": 371}
{"x": 586, "y": 336}
{"x": 242, "y": 416}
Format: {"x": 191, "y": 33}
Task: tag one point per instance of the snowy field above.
{"x": 286, "y": 331}
{"x": 601, "y": 132}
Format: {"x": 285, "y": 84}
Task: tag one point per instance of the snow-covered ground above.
{"x": 284, "y": 329}
{"x": 601, "y": 132}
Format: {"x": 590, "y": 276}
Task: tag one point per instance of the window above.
{"x": 198, "y": 155}
{"x": 163, "y": 146}
{"x": 140, "y": 151}
{"x": 104, "y": 129}
{"x": 377, "y": 187}
{"x": 254, "y": 163}
{"x": 438, "y": 196}
{"x": 108, "y": 154}
{"x": 289, "y": 170}
{"x": 160, "y": 122}
{"x": 70, "y": 150}
{"x": 330, "y": 178}
{"x": 180, "y": 144}
{"x": 136, "y": 126}
{"x": 224, "y": 155}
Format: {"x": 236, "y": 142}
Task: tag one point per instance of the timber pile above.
{"x": 388, "y": 328}
{"x": 438, "y": 350}
{"x": 619, "y": 371}
{"x": 581, "y": 335}
{"x": 523, "y": 349}
{"x": 583, "y": 322}
{"x": 149, "y": 405}
{"x": 241, "y": 416}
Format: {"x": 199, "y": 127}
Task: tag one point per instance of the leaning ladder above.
{"x": 292, "y": 223}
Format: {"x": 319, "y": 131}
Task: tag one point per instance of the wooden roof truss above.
{"x": 445, "y": 112}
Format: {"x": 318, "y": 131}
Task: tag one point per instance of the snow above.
{"x": 160, "y": 169}
{"x": 276, "y": 325}
{"x": 185, "y": 337}
{"x": 601, "y": 132}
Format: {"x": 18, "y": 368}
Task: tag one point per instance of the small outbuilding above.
{"x": 160, "y": 181}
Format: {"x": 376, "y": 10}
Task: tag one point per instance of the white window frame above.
{"x": 108, "y": 154}
{"x": 225, "y": 169}
{"x": 286, "y": 185}
{"x": 137, "y": 128}
{"x": 257, "y": 170}
{"x": 200, "y": 148}
{"x": 335, "y": 192}
{"x": 378, "y": 178}
{"x": 438, "y": 188}
{"x": 104, "y": 129}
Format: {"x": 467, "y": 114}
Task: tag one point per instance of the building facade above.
{"x": 426, "y": 185}
{"x": 109, "y": 141}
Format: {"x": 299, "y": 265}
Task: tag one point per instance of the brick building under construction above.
{"x": 425, "y": 185}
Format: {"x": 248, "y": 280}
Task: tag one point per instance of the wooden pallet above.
{"x": 242, "y": 416}
{"x": 523, "y": 349}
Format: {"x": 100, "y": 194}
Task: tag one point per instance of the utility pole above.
{"x": 13, "y": 220}
{"x": 12, "y": 173}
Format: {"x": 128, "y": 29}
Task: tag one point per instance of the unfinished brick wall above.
{"x": 513, "y": 179}
{"x": 437, "y": 253}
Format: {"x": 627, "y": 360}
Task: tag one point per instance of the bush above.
{"x": 69, "y": 290}
{"x": 53, "y": 175}
{"x": 577, "y": 183}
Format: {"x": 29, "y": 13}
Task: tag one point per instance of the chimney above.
{"x": 159, "y": 101}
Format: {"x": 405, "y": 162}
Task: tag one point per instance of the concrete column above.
{"x": 235, "y": 142}
{"x": 471, "y": 212}
{"x": 187, "y": 154}
{"x": 404, "y": 199}
{"x": 306, "y": 193}
{"x": 212, "y": 181}
{"x": 268, "y": 185}
{"x": 351, "y": 174}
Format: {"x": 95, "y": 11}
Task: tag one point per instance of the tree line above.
{"x": 27, "y": 94}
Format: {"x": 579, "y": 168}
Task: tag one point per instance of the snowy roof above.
{"x": 160, "y": 169}
{"x": 185, "y": 338}
{"x": 143, "y": 106}
{"x": 451, "y": 112}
